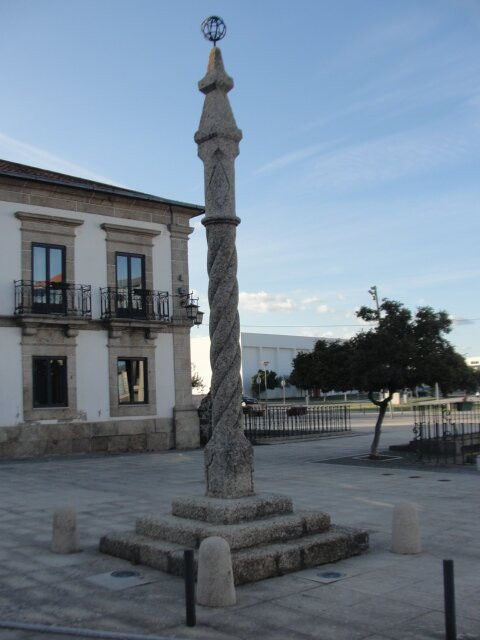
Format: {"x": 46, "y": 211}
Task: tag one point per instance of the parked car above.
{"x": 248, "y": 400}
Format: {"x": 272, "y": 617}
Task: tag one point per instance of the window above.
{"x": 50, "y": 382}
{"x": 48, "y": 278}
{"x": 132, "y": 380}
{"x": 130, "y": 281}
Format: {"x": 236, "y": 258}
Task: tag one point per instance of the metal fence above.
{"x": 286, "y": 421}
{"x": 446, "y": 433}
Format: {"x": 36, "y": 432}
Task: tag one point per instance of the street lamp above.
{"x": 259, "y": 382}
{"x": 283, "y": 383}
{"x": 190, "y": 304}
{"x": 265, "y": 365}
{"x": 374, "y": 293}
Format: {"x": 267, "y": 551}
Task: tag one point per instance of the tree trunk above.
{"x": 382, "y": 405}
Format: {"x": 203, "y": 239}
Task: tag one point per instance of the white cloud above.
{"x": 324, "y": 308}
{"x": 392, "y": 157}
{"x": 263, "y": 302}
{"x": 295, "y": 156}
{"x": 24, "y": 153}
{"x": 311, "y": 300}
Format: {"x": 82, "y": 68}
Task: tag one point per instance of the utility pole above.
{"x": 265, "y": 365}
{"x": 374, "y": 293}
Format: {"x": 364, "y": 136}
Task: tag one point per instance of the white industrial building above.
{"x": 257, "y": 348}
{"x": 474, "y": 362}
{"x": 279, "y": 351}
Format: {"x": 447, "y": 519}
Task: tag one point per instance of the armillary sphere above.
{"x": 214, "y": 29}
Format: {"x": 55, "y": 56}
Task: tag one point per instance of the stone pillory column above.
{"x": 266, "y": 537}
{"x": 228, "y": 455}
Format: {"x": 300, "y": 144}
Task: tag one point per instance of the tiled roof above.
{"x": 24, "y": 171}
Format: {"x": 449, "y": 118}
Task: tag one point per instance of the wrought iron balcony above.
{"x": 54, "y": 298}
{"x": 131, "y": 303}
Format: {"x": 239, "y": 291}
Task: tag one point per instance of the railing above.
{"x": 54, "y": 298}
{"x": 284, "y": 421}
{"x": 135, "y": 303}
{"x": 446, "y": 433}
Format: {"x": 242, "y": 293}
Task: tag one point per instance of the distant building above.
{"x": 279, "y": 351}
{"x": 94, "y": 333}
{"x": 474, "y": 362}
{"x": 257, "y": 348}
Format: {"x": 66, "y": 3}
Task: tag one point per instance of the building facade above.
{"x": 279, "y": 351}
{"x": 95, "y": 317}
{"x": 474, "y": 362}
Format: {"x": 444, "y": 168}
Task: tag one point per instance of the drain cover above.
{"x": 124, "y": 574}
{"x": 330, "y": 574}
{"x": 379, "y": 458}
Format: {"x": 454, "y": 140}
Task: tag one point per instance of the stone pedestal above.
{"x": 266, "y": 536}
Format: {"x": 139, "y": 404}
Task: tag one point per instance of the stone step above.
{"x": 251, "y": 564}
{"x": 239, "y": 536}
{"x": 224, "y": 511}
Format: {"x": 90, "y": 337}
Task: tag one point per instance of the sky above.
{"x": 360, "y": 158}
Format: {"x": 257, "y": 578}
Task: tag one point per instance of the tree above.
{"x": 197, "y": 380}
{"x": 400, "y": 351}
{"x": 384, "y": 358}
{"x": 325, "y": 368}
{"x": 273, "y": 381}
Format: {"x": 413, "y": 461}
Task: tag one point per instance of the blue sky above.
{"x": 360, "y": 161}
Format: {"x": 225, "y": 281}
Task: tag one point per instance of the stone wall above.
{"x": 33, "y": 440}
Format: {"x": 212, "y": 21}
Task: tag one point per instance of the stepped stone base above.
{"x": 266, "y": 537}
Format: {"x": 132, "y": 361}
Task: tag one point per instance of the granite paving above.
{"x": 375, "y": 596}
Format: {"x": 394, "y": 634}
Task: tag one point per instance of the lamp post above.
{"x": 259, "y": 382}
{"x": 374, "y": 293}
{"x": 265, "y": 365}
{"x": 283, "y": 383}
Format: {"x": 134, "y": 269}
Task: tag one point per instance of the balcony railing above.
{"x": 55, "y": 298}
{"x": 143, "y": 304}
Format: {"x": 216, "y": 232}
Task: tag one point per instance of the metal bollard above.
{"x": 189, "y": 588}
{"x": 449, "y": 593}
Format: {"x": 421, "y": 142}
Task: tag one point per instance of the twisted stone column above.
{"x": 228, "y": 455}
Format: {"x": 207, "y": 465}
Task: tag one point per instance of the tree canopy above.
{"x": 273, "y": 381}
{"x": 402, "y": 350}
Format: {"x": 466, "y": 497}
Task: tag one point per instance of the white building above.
{"x": 474, "y": 362}
{"x": 279, "y": 351}
{"x": 94, "y": 333}
{"x": 257, "y": 348}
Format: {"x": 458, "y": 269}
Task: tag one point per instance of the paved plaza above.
{"x": 377, "y": 596}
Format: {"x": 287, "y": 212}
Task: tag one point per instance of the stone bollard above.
{"x": 215, "y": 586}
{"x": 65, "y": 532}
{"x": 405, "y": 529}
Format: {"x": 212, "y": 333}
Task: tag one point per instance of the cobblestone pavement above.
{"x": 377, "y": 596}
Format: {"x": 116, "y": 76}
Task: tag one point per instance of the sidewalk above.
{"x": 377, "y": 596}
